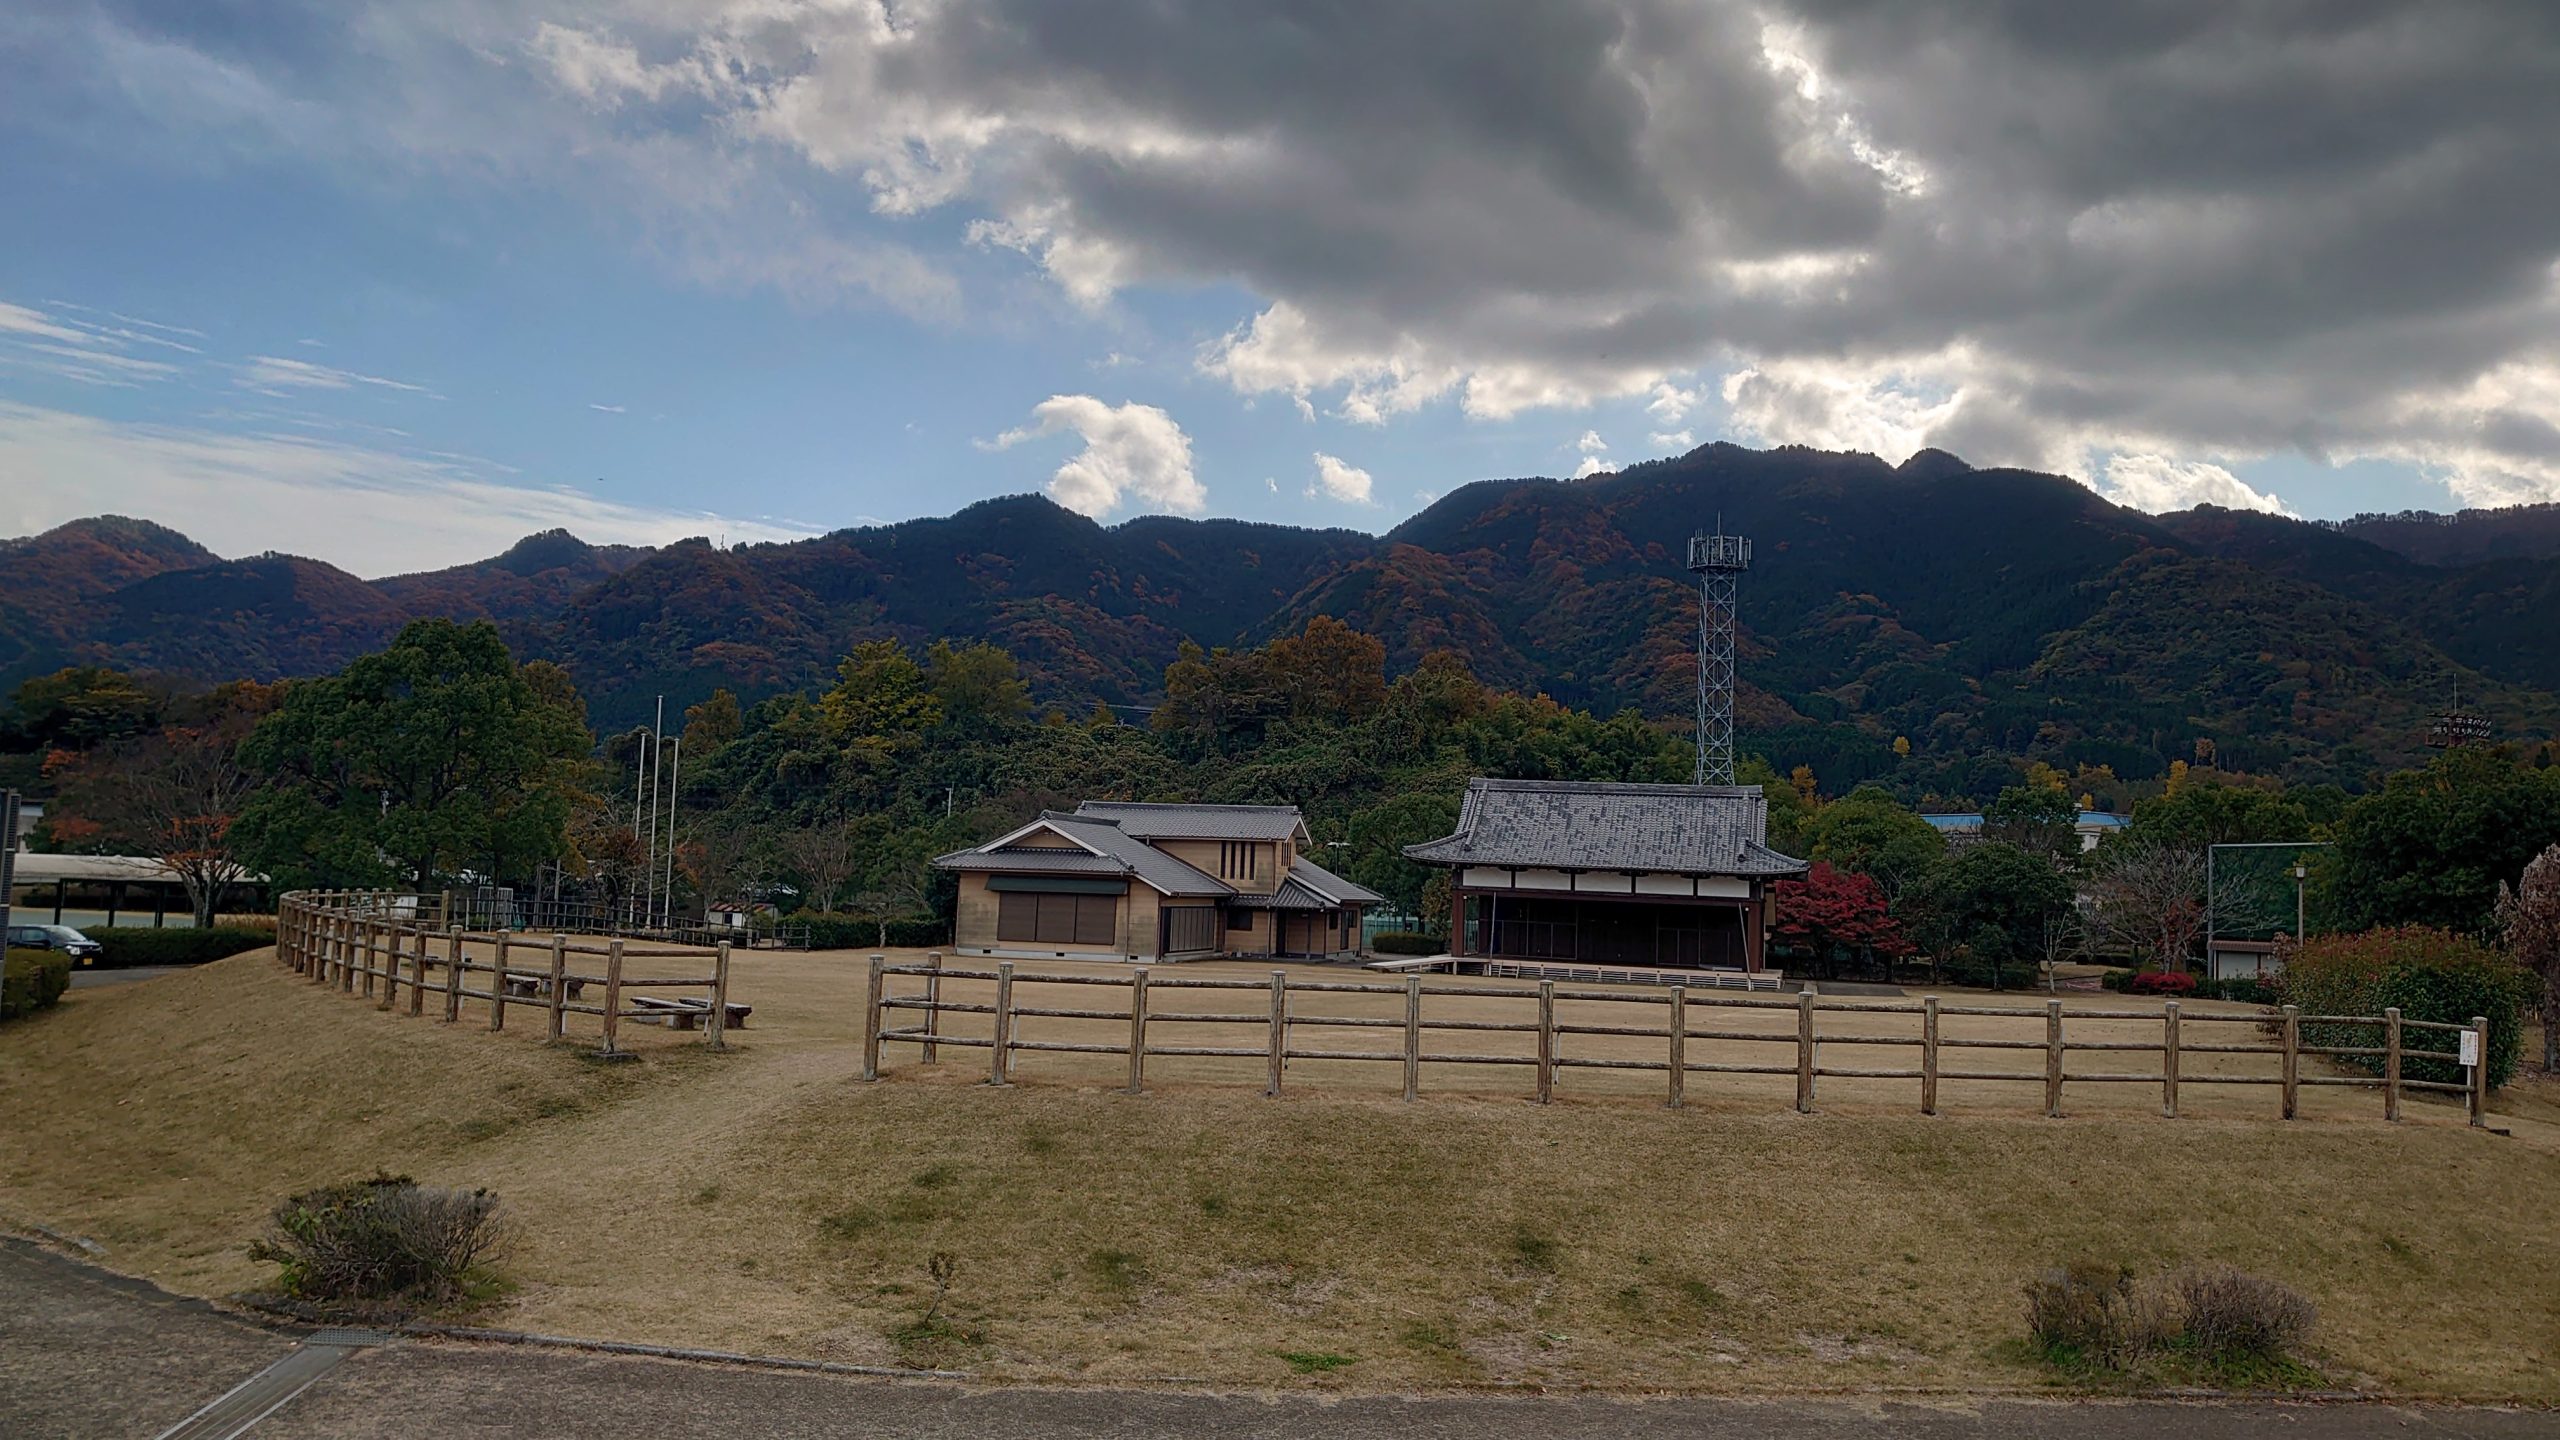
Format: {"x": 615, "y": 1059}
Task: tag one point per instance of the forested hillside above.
{"x": 1929, "y": 623}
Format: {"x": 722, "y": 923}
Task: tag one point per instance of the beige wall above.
{"x": 974, "y": 925}
{"x": 1202, "y": 855}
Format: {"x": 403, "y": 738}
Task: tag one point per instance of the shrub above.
{"x": 831, "y": 931}
{"x": 1408, "y": 942}
{"x": 2429, "y": 975}
{"x": 2101, "y": 1316}
{"x": 2227, "y": 1315}
{"x": 125, "y": 945}
{"x": 2116, "y": 979}
{"x": 2161, "y": 982}
{"x": 31, "y": 980}
{"x": 2245, "y": 989}
{"x": 384, "y": 1240}
{"x": 2089, "y": 1314}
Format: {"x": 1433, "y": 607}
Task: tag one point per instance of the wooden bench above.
{"x": 688, "y": 1013}
{"x": 538, "y": 987}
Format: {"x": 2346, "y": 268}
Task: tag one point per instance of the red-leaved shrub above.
{"x": 2161, "y": 982}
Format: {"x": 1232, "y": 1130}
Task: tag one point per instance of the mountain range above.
{"x": 1978, "y": 614}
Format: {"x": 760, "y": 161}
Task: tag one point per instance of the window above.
{"x": 1240, "y": 921}
{"x": 1190, "y": 927}
{"x": 1057, "y": 919}
{"x": 1239, "y": 860}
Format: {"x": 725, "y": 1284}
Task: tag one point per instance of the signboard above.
{"x": 2470, "y": 1047}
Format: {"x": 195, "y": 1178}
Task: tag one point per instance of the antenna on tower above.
{"x": 1718, "y": 561}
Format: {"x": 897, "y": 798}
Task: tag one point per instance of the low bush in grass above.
{"x": 2243, "y": 989}
{"x": 2428, "y": 975}
{"x": 1407, "y": 942}
{"x": 31, "y": 980}
{"x": 830, "y": 931}
{"x": 2235, "y": 1327}
{"x": 2115, "y": 980}
{"x": 129, "y": 945}
{"x": 387, "y": 1243}
{"x": 2161, "y": 982}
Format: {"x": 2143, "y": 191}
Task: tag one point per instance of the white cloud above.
{"x": 1340, "y": 480}
{"x": 371, "y": 511}
{"x": 1594, "y": 456}
{"x": 1131, "y": 453}
{"x": 618, "y": 409}
{"x": 275, "y": 375}
{"x": 1680, "y": 440}
{"x": 2156, "y": 483}
{"x": 69, "y": 348}
{"x": 1670, "y": 404}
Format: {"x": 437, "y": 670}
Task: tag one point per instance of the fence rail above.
{"x": 1291, "y": 1033}
{"x": 362, "y": 941}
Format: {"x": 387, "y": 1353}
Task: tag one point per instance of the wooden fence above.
{"x": 376, "y": 942}
{"x": 1290, "y": 1033}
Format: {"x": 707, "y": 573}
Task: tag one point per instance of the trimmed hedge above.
{"x": 828, "y": 931}
{"x": 2161, "y": 982}
{"x": 1407, "y": 942}
{"x": 2244, "y": 989}
{"x": 2429, "y": 975}
{"x": 30, "y": 980}
{"x": 126, "y": 945}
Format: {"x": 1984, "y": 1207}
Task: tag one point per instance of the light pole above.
{"x": 2301, "y": 872}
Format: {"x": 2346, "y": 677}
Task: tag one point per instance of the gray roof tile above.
{"x": 1596, "y": 825}
{"x": 1121, "y": 854}
{"x": 1149, "y": 821}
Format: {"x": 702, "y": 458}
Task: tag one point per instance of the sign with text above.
{"x": 2470, "y": 1047}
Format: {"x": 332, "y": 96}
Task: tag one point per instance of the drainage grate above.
{"x": 343, "y": 1335}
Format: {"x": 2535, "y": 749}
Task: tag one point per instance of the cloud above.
{"x": 51, "y": 341}
{"x": 618, "y": 409}
{"x": 1132, "y": 452}
{"x": 1594, "y": 455}
{"x": 1679, "y": 440}
{"x": 2157, "y": 483}
{"x": 1340, "y": 480}
{"x": 276, "y": 375}
{"x": 372, "y": 511}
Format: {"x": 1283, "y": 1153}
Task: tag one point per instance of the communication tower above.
{"x": 1718, "y": 561}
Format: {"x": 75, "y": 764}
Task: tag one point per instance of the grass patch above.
{"x": 1535, "y": 1248}
{"x": 1116, "y": 1271}
{"x": 1316, "y": 1362}
{"x": 849, "y": 1224}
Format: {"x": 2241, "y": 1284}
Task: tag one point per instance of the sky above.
{"x": 393, "y": 283}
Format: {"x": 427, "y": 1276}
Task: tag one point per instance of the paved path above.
{"x": 84, "y": 1354}
{"x": 92, "y": 978}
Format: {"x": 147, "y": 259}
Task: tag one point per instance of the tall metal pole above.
{"x": 667, "y": 892}
{"x": 649, "y": 861}
{"x": 1718, "y": 561}
{"x": 8, "y": 859}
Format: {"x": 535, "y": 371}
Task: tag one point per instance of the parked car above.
{"x": 70, "y": 942}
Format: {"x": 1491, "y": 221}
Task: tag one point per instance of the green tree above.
{"x": 712, "y": 723}
{"x": 880, "y": 696}
{"x": 1871, "y": 833}
{"x": 433, "y": 758}
{"x": 2205, "y": 813}
{"x": 2430, "y": 847}
{"x": 1986, "y": 911}
{"x": 1328, "y": 671}
{"x": 2033, "y": 817}
{"x": 78, "y": 708}
{"x": 979, "y": 687}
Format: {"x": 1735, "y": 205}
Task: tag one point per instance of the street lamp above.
{"x": 2300, "y": 873}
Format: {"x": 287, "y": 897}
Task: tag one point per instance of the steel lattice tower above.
{"x": 1718, "y": 561}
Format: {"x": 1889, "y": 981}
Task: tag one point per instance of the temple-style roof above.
{"x": 1309, "y": 886}
{"x": 1150, "y": 821}
{"x": 1595, "y": 825}
{"x": 1101, "y": 848}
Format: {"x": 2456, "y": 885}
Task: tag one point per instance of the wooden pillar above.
{"x": 612, "y": 996}
{"x": 717, "y": 1022}
{"x": 2479, "y": 1096}
{"x": 2053, "y": 1058}
{"x": 1753, "y": 941}
{"x": 1412, "y": 1036}
{"x": 1000, "y": 1054}
{"x": 1928, "y": 1054}
{"x": 498, "y": 986}
{"x": 871, "y": 996}
{"x": 2391, "y": 1063}
{"x": 452, "y": 973}
{"x": 1804, "y": 1050}
{"x": 1279, "y": 1029}
{"x": 932, "y": 1006}
{"x": 1546, "y": 1041}
{"x": 2169, "y": 1060}
{"x": 2292, "y": 1058}
{"x": 559, "y": 1020}
{"x": 1457, "y": 920}
{"x": 1679, "y": 1046}
{"x": 1138, "y": 1031}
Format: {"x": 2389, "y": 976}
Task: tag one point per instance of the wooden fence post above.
{"x": 1546, "y": 1041}
{"x": 390, "y": 969}
{"x": 2292, "y": 1057}
{"x": 1928, "y": 1054}
{"x": 871, "y": 996}
{"x": 2391, "y": 1063}
{"x": 1279, "y": 1029}
{"x": 498, "y": 986}
{"x": 2169, "y": 1060}
{"x": 452, "y": 974}
{"x": 1679, "y": 1047}
{"x": 612, "y": 996}
{"x": 418, "y": 972}
{"x": 2479, "y": 1096}
{"x": 559, "y": 1019}
{"x": 932, "y": 1006}
{"x": 1000, "y": 1054}
{"x": 2052, "y": 1058}
{"x": 716, "y": 1024}
{"x": 1138, "y": 1031}
{"x": 1412, "y": 1036}
{"x": 1804, "y": 1049}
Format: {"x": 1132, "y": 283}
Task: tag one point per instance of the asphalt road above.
{"x": 92, "y": 978}
{"x": 86, "y": 1354}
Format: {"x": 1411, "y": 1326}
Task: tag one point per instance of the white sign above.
{"x": 2470, "y": 1047}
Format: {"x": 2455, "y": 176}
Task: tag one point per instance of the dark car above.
{"x": 54, "y": 937}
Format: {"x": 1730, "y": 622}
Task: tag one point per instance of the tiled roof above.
{"x": 1034, "y": 860}
{"x": 1590, "y": 825}
{"x": 1120, "y": 854}
{"x": 1325, "y": 882}
{"x": 1309, "y": 886}
{"x": 1197, "y": 822}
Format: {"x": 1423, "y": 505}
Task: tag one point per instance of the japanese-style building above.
{"x": 1588, "y": 873}
{"x": 1111, "y": 880}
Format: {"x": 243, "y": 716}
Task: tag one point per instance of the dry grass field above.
{"x": 768, "y": 1200}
